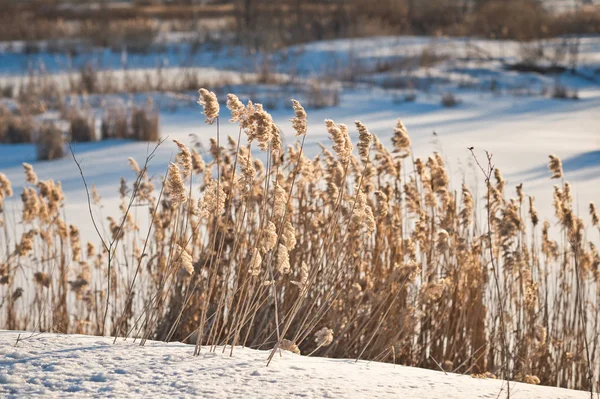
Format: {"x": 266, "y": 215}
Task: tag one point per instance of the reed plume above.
{"x": 208, "y": 100}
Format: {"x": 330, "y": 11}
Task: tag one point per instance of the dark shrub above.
{"x": 50, "y": 143}
{"x": 144, "y": 125}
{"x": 83, "y": 128}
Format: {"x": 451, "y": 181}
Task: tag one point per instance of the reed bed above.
{"x": 363, "y": 251}
{"x": 39, "y": 84}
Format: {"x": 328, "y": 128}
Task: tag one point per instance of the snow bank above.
{"x": 51, "y": 365}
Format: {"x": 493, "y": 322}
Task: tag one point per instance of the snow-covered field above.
{"x": 51, "y": 365}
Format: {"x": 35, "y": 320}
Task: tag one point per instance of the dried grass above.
{"x": 16, "y": 128}
{"x": 50, "y": 143}
{"x": 82, "y": 127}
{"x": 141, "y": 123}
{"x": 145, "y": 124}
{"x": 336, "y": 255}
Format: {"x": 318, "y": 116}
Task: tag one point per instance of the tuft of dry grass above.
{"x": 141, "y": 123}
{"x": 320, "y": 94}
{"x": 115, "y": 123}
{"x": 83, "y": 127}
{"x": 16, "y": 128}
{"x": 137, "y": 122}
{"x": 50, "y": 143}
{"x": 367, "y": 254}
{"x": 145, "y": 124}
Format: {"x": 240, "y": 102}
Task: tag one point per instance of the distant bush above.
{"x": 511, "y": 19}
{"x": 561, "y": 92}
{"x": 83, "y": 128}
{"x": 15, "y": 128}
{"x": 7, "y": 91}
{"x": 50, "y": 143}
{"x": 410, "y": 97}
{"x": 585, "y": 20}
{"x": 114, "y": 123}
{"x": 322, "y": 95}
{"x": 88, "y": 80}
{"x": 450, "y": 100}
{"x": 141, "y": 123}
{"x": 404, "y": 98}
{"x": 144, "y": 124}
{"x": 136, "y": 34}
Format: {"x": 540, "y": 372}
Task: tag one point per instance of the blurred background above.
{"x": 119, "y": 74}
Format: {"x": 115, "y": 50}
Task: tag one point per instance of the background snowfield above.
{"x": 75, "y": 366}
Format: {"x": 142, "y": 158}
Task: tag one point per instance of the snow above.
{"x": 53, "y": 365}
{"x": 310, "y": 58}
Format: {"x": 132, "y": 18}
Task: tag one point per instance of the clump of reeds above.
{"x": 50, "y": 143}
{"x": 145, "y": 123}
{"x": 16, "y": 127}
{"x": 279, "y": 250}
{"x": 135, "y": 122}
{"x": 82, "y": 127}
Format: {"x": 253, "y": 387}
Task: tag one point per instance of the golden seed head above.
{"x": 263, "y": 129}
{"x": 184, "y": 158}
{"x": 324, "y": 337}
{"x": 255, "y": 262}
{"x": 401, "y": 140}
{"x": 134, "y": 166}
{"x": 198, "y": 164}
{"x": 208, "y": 100}
{"x": 214, "y": 198}
{"x": 26, "y": 244}
{"x": 238, "y": 111}
{"x": 42, "y": 279}
{"x": 299, "y": 122}
{"x": 341, "y": 140}
{"x": 270, "y": 237}
{"x": 594, "y": 214}
{"x": 533, "y": 214}
{"x": 95, "y": 195}
{"x": 176, "y": 186}
{"x": 555, "y": 167}
{"x": 280, "y": 199}
{"x": 364, "y": 140}
{"x": 90, "y": 250}
{"x": 288, "y": 345}
{"x": 289, "y": 236}
{"x": 183, "y": 260}
{"x": 5, "y": 186}
{"x": 283, "y": 260}
{"x": 303, "y": 276}
{"x": 30, "y": 176}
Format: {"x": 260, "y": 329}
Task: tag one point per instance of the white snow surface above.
{"x": 77, "y": 366}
